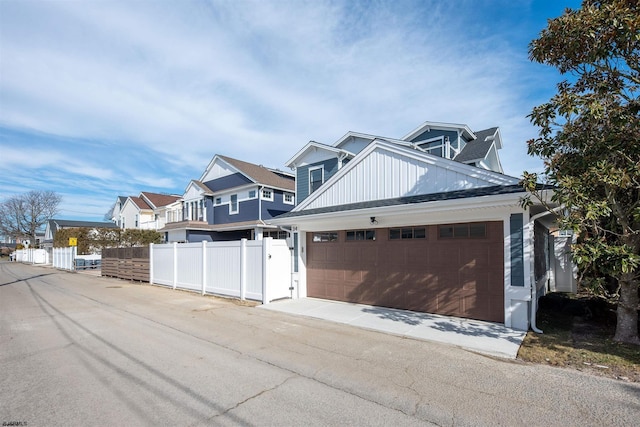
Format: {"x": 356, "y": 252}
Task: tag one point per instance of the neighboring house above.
{"x": 117, "y": 210}
{"x": 163, "y": 206}
{"x": 53, "y": 225}
{"x": 232, "y": 200}
{"x": 426, "y": 223}
{"x": 147, "y": 211}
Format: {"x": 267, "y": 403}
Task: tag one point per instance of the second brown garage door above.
{"x": 455, "y": 270}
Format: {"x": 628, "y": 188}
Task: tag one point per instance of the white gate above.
{"x": 64, "y": 258}
{"x": 248, "y": 269}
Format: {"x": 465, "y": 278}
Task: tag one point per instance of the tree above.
{"x": 589, "y": 138}
{"x": 23, "y": 215}
{"x": 95, "y": 239}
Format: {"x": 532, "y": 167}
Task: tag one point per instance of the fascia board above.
{"x": 208, "y": 168}
{"x": 217, "y": 158}
{"x": 129, "y": 202}
{"x": 291, "y": 163}
{"x": 510, "y": 201}
{"x": 192, "y": 184}
{"x": 143, "y": 197}
{"x": 350, "y": 134}
{"x": 494, "y": 149}
{"x": 497, "y": 139}
{"x": 439, "y": 125}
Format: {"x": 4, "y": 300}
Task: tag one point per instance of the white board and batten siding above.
{"x": 248, "y": 269}
{"x": 391, "y": 173}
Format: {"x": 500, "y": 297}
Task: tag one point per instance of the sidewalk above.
{"x": 475, "y": 335}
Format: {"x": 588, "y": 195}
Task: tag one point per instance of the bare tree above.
{"x": 25, "y": 214}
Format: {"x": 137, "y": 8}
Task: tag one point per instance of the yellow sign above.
{"x": 73, "y": 241}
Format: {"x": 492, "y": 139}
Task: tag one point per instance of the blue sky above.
{"x": 102, "y": 98}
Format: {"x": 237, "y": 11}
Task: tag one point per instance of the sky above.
{"x": 108, "y": 98}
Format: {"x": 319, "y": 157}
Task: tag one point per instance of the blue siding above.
{"x": 275, "y": 208}
{"x": 517, "y": 250}
{"x": 226, "y": 182}
{"x": 302, "y": 176}
{"x": 247, "y": 211}
{"x": 209, "y": 204}
{"x": 453, "y": 135}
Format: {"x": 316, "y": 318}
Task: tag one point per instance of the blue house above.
{"x": 426, "y": 222}
{"x": 231, "y": 201}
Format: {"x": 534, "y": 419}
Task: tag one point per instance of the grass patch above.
{"x": 578, "y": 337}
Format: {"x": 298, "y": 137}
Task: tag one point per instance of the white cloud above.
{"x": 160, "y": 87}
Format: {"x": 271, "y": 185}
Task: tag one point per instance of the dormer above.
{"x": 314, "y": 164}
{"x": 441, "y": 139}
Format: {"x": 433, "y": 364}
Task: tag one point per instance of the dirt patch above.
{"x": 578, "y": 334}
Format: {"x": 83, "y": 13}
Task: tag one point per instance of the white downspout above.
{"x": 532, "y": 278}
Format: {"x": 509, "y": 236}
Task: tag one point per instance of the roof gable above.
{"x": 196, "y": 190}
{"x": 222, "y": 166}
{"x": 138, "y": 202}
{"x": 387, "y": 171}
{"x": 156, "y": 200}
{"x": 426, "y": 126}
{"x": 314, "y": 152}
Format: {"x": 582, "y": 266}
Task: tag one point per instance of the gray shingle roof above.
{"x": 422, "y": 198}
{"x": 478, "y": 148}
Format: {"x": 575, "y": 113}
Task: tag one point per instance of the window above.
{"x": 316, "y": 178}
{"x": 435, "y": 146}
{"x": 267, "y": 194}
{"x": 331, "y": 236}
{"x": 288, "y": 198}
{"x": 472, "y": 230}
{"x": 136, "y": 221}
{"x": 233, "y": 206}
{"x": 252, "y": 194}
{"x": 276, "y": 234}
{"x": 218, "y": 200}
{"x": 361, "y": 235}
{"x": 407, "y": 233}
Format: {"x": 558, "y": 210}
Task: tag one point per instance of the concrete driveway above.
{"x": 484, "y": 337}
{"x": 83, "y": 350}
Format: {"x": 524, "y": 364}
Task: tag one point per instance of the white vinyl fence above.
{"x": 32, "y": 256}
{"x": 64, "y": 258}
{"x": 247, "y": 269}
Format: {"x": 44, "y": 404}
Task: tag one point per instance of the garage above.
{"x": 448, "y": 269}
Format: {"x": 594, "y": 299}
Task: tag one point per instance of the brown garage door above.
{"x": 455, "y": 270}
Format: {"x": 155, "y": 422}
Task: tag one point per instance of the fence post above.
{"x": 151, "y": 263}
{"x": 175, "y": 264}
{"x": 266, "y": 248}
{"x": 204, "y": 266}
{"x": 243, "y": 268}
{"x": 74, "y": 254}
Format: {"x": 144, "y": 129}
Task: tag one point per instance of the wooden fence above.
{"x": 126, "y": 263}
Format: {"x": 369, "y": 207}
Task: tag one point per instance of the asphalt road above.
{"x": 83, "y": 350}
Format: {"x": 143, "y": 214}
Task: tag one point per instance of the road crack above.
{"x": 237, "y": 405}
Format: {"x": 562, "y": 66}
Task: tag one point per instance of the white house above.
{"x": 427, "y": 222}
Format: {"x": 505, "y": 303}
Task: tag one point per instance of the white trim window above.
{"x": 316, "y": 178}
{"x": 435, "y": 146}
{"x": 267, "y": 194}
{"x": 233, "y": 204}
{"x": 288, "y": 198}
{"x": 252, "y": 194}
